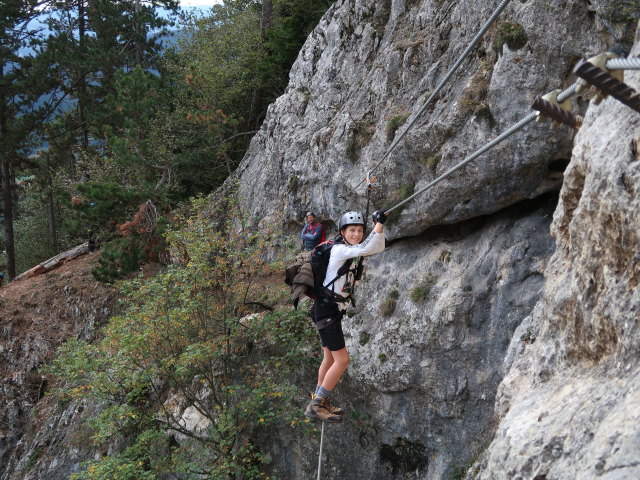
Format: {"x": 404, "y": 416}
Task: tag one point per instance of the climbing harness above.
{"x": 436, "y": 91}
{"x": 320, "y": 454}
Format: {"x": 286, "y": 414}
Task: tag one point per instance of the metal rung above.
{"x": 556, "y": 113}
{"x": 608, "y": 84}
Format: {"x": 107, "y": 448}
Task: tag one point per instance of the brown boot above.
{"x": 317, "y": 410}
{"x": 330, "y": 407}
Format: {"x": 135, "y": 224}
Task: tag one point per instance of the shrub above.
{"x": 420, "y": 292}
{"x": 186, "y": 334}
{"x": 395, "y": 122}
{"x": 433, "y": 160}
{"x": 512, "y": 34}
{"x": 388, "y": 306}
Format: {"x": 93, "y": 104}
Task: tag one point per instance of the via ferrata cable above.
{"x": 432, "y": 96}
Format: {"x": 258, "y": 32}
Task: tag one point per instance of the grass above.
{"x": 512, "y": 34}
{"x": 433, "y": 160}
{"x": 389, "y": 305}
{"x": 395, "y": 122}
{"x": 420, "y": 292}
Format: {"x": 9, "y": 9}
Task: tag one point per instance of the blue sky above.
{"x": 197, "y": 3}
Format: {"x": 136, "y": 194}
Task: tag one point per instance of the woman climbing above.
{"x": 329, "y": 308}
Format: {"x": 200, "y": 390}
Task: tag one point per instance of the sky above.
{"x": 197, "y": 3}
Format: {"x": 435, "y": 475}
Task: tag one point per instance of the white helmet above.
{"x": 351, "y": 218}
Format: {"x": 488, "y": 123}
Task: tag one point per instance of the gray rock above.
{"x": 370, "y": 64}
{"x": 570, "y": 404}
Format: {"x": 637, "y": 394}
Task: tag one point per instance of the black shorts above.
{"x": 332, "y": 336}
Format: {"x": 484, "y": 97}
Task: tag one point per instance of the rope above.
{"x": 452, "y": 70}
{"x": 518, "y": 126}
{"x": 320, "y": 454}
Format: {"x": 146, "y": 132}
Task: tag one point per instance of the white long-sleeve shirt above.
{"x": 340, "y": 253}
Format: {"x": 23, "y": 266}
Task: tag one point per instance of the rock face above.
{"x": 570, "y": 404}
{"x": 434, "y": 318}
{"x": 36, "y": 316}
{"x": 369, "y": 64}
{"x": 446, "y": 313}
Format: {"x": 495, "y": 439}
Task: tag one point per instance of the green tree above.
{"x": 238, "y": 59}
{"x": 186, "y": 342}
{"x": 23, "y": 80}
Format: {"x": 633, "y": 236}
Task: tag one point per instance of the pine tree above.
{"x": 22, "y": 83}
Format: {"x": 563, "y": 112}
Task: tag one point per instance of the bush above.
{"x": 420, "y": 292}
{"x": 395, "y": 122}
{"x": 512, "y": 34}
{"x": 186, "y": 335}
{"x": 388, "y": 306}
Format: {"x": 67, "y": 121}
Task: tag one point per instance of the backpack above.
{"x": 306, "y": 276}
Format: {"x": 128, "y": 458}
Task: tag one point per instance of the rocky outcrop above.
{"x": 462, "y": 353}
{"x": 570, "y": 404}
{"x": 36, "y": 316}
{"x": 435, "y": 316}
{"x": 370, "y": 64}
{"x": 434, "y": 335}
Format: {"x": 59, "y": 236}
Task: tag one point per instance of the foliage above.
{"x": 388, "y": 306}
{"x": 238, "y": 59}
{"x": 432, "y": 160}
{"x": 512, "y": 34}
{"x": 186, "y": 342}
{"x": 107, "y": 103}
{"x": 32, "y": 231}
{"x": 420, "y": 292}
{"x": 395, "y": 122}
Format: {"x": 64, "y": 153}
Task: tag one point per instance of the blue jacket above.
{"x": 311, "y": 235}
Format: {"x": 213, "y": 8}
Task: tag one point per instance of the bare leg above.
{"x": 335, "y": 371}
{"x": 327, "y": 362}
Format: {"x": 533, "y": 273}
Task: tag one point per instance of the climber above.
{"x": 312, "y": 233}
{"x": 328, "y": 309}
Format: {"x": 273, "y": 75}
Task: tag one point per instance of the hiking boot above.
{"x": 330, "y": 407}
{"x": 316, "y": 410}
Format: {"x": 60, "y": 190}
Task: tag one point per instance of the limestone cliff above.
{"x": 438, "y": 310}
{"x": 370, "y": 64}
{"x": 570, "y": 404}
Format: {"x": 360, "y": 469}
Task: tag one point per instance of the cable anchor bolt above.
{"x": 548, "y": 107}
{"x": 598, "y": 61}
{"x": 608, "y": 83}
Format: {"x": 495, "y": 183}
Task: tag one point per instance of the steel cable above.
{"x": 452, "y": 70}
{"x": 518, "y": 126}
{"x": 320, "y": 453}
{"x": 632, "y": 63}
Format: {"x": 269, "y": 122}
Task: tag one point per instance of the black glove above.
{"x": 379, "y": 216}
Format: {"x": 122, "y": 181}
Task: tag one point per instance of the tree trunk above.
{"x": 51, "y": 209}
{"x": 138, "y": 35}
{"x": 266, "y": 18}
{"x": 7, "y": 196}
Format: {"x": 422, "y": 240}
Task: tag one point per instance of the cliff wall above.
{"x": 446, "y": 312}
